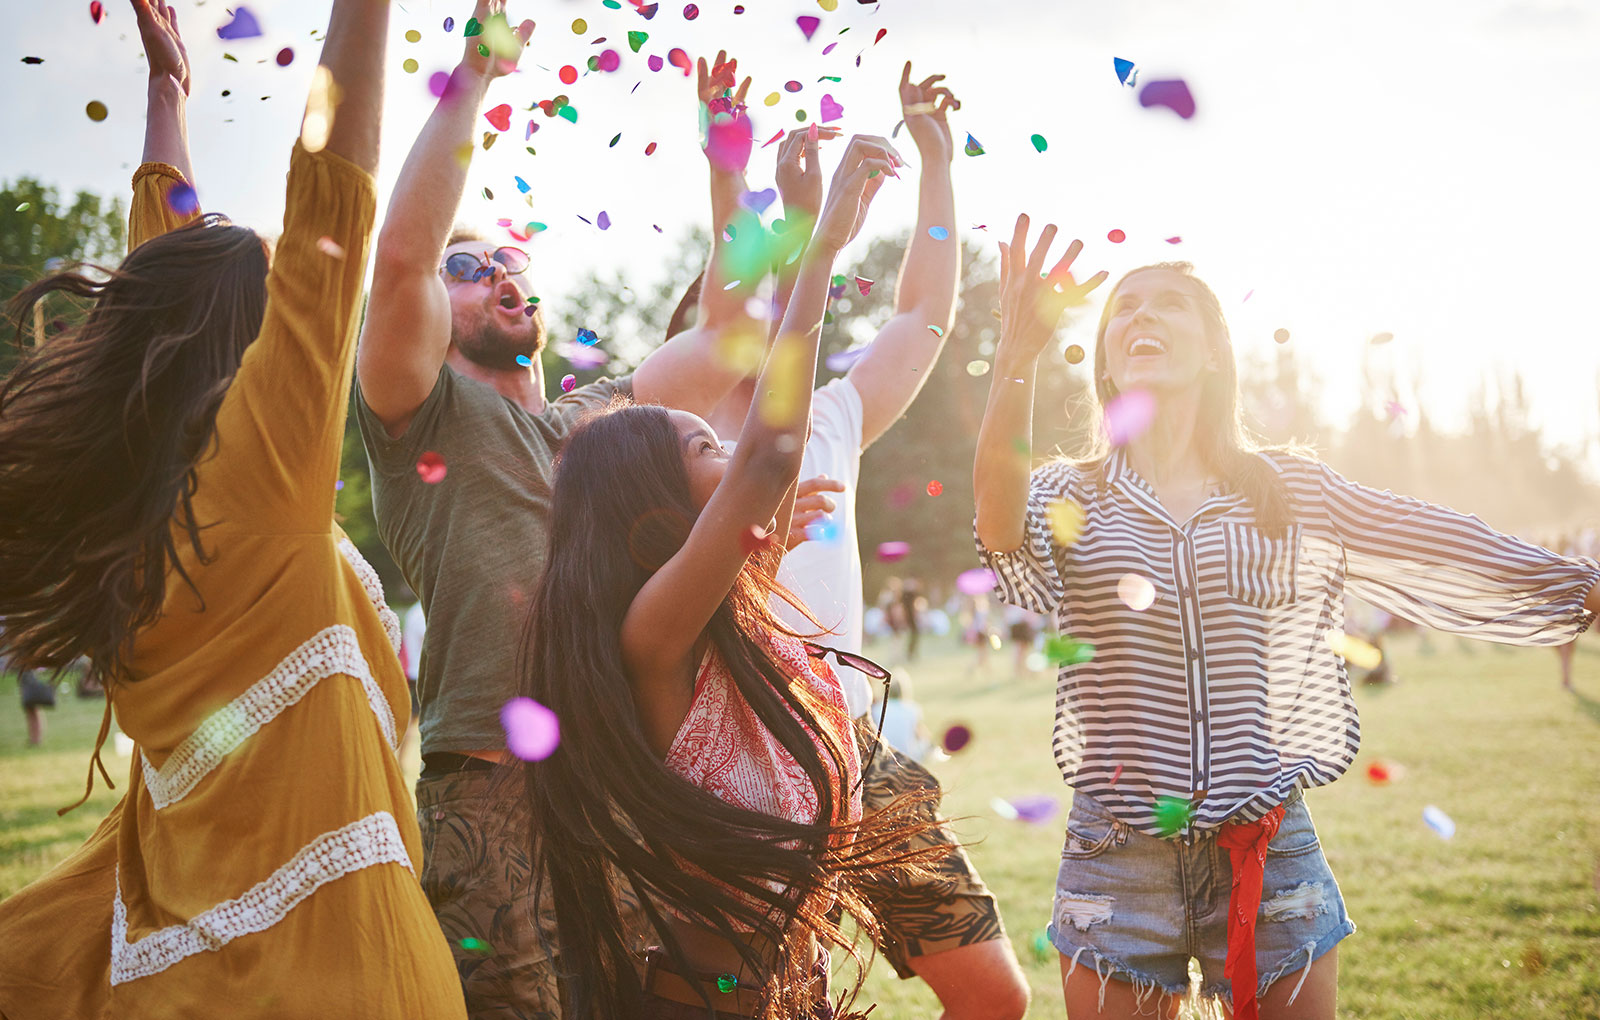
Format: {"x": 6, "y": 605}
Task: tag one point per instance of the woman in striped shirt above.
{"x": 1208, "y": 576}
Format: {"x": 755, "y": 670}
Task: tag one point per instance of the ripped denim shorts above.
{"x": 1137, "y": 908}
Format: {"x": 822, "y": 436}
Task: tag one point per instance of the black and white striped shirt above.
{"x": 1228, "y": 683}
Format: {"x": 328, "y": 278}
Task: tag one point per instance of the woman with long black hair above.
{"x": 707, "y": 762}
{"x": 1207, "y": 574}
{"x": 167, "y": 474}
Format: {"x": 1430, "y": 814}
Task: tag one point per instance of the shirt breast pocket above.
{"x": 1262, "y": 571}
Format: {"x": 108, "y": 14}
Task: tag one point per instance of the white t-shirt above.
{"x": 412, "y": 629}
{"x": 827, "y": 574}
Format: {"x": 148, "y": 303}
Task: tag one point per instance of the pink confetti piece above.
{"x": 500, "y": 117}
{"x": 891, "y": 552}
{"x": 532, "y": 731}
{"x": 431, "y": 468}
{"x": 655, "y": 62}
{"x": 610, "y": 60}
{"x": 1129, "y": 415}
{"x": 975, "y": 581}
{"x": 955, "y": 738}
{"x": 808, "y": 25}
{"x": 568, "y": 382}
{"x": 680, "y": 59}
{"x": 831, "y": 110}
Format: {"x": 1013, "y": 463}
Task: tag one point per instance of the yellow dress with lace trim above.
{"x": 263, "y": 859}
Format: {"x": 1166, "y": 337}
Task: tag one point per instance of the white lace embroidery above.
{"x": 328, "y": 653}
{"x": 374, "y": 839}
{"x": 369, "y": 581}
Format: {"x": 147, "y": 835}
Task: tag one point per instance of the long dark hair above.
{"x": 607, "y": 810}
{"x": 101, "y": 429}
{"x": 1226, "y": 444}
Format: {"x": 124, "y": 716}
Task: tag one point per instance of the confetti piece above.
{"x": 1116, "y": 237}
{"x": 1066, "y": 519}
{"x": 935, "y": 487}
{"x": 532, "y": 730}
{"x": 792, "y": 86}
{"x": 1438, "y": 821}
{"x": 808, "y": 25}
{"x": 182, "y": 200}
{"x": 936, "y": 330}
{"x": 587, "y": 337}
{"x": 1380, "y": 338}
{"x": 637, "y": 39}
{"x": 955, "y": 738}
{"x": 285, "y": 56}
{"x": 1003, "y": 808}
{"x": 1129, "y": 415}
{"x": 831, "y": 110}
{"x": 243, "y": 26}
{"x": 1175, "y": 240}
{"x": 33, "y": 60}
{"x": 974, "y": 148}
{"x": 678, "y": 58}
{"x": 1136, "y": 592}
{"x": 1043, "y": 949}
{"x": 524, "y": 361}
{"x": 1074, "y": 354}
{"x": 1173, "y": 94}
{"x": 24, "y": 206}
{"x": 1353, "y": 650}
{"x": 891, "y": 552}
{"x": 568, "y": 382}
{"x": 97, "y": 12}
{"x": 1173, "y": 815}
{"x": 567, "y": 74}
{"x": 691, "y": 12}
{"x": 477, "y": 947}
{"x": 431, "y": 468}
{"x": 977, "y": 367}
{"x": 1061, "y": 650}
{"x": 603, "y": 221}
{"x": 1247, "y": 296}
{"x": 1039, "y": 143}
{"x": 96, "y": 110}
{"x": 649, "y": 149}
{"x": 609, "y": 60}
{"x": 413, "y": 36}
{"x": 1382, "y": 773}
{"x": 938, "y": 233}
{"x": 841, "y": 361}
{"x": 449, "y": 24}
{"x": 828, "y": 5}
{"x": 409, "y": 65}
{"x": 1125, "y": 72}
{"x": 1117, "y": 774}
{"x": 1035, "y": 808}
{"x": 499, "y": 117}
{"x": 438, "y": 81}
{"x": 864, "y": 286}
{"x": 568, "y": 113}
{"x": 729, "y": 139}
{"x": 655, "y": 62}
{"x": 1281, "y": 335}
{"x": 975, "y": 581}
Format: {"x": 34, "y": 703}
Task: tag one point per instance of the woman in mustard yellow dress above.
{"x": 167, "y": 481}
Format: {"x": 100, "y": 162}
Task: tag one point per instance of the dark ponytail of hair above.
{"x": 101, "y": 429}
{"x": 607, "y": 810}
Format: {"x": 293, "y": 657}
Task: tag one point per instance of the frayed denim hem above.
{"x": 1310, "y": 953}
{"x": 1105, "y": 968}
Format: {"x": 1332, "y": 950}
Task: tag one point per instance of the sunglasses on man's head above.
{"x": 870, "y": 668}
{"x": 470, "y": 268}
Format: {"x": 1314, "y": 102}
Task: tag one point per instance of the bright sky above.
{"x": 1425, "y": 168}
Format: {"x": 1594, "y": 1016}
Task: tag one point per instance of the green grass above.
{"x": 1448, "y": 929}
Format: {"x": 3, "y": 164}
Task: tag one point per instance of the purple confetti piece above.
{"x": 603, "y": 221}
{"x": 840, "y": 361}
{"x": 831, "y": 110}
{"x": 243, "y": 26}
{"x": 182, "y": 200}
{"x": 808, "y": 24}
{"x": 610, "y": 60}
{"x": 757, "y": 201}
{"x": 975, "y": 581}
{"x": 1173, "y": 94}
{"x": 1129, "y": 415}
{"x": 655, "y": 62}
{"x": 532, "y": 731}
{"x": 1036, "y": 808}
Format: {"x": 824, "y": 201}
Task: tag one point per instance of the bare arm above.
{"x": 672, "y": 609}
{"x": 686, "y": 372}
{"x": 1030, "y": 309}
{"x": 407, "y": 331}
{"x": 891, "y": 373}
{"x": 355, "y": 97}
{"x": 166, "y": 131}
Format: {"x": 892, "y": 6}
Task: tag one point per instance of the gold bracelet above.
{"x": 919, "y": 108}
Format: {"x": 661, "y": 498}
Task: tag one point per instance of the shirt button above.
{"x": 1194, "y": 653}
{"x": 1199, "y": 716}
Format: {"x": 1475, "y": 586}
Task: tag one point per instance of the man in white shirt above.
{"x": 948, "y": 930}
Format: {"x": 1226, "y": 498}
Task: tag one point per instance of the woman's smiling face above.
{"x": 1155, "y": 337}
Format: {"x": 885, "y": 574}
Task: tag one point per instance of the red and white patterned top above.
{"x": 723, "y": 747}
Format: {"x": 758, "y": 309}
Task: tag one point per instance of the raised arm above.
{"x": 1030, "y": 309}
{"x": 667, "y": 616}
{"x": 407, "y": 331}
{"x": 166, "y": 135}
{"x": 891, "y": 373}
{"x": 687, "y": 371}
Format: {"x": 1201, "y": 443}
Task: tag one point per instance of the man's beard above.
{"x": 489, "y": 345}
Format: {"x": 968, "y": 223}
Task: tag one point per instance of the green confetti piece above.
{"x": 936, "y": 330}
{"x": 477, "y": 947}
{"x": 636, "y": 40}
{"x": 726, "y": 983}
{"x": 800, "y": 115}
{"x": 474, "y": 27}
{"x": 830, "y": 77}
{"x": 839, "y": 281}
{"x": 483, "y": 49}
{"x": 615, "y": 5}
{"x": 230, "y": 56}
{"x": 1039, "y": 143}
{"x": 536, "y": 227}
{"x": 1065, "y": 651}
{"x": 1173, "y": 815}
{"x": 873, "y": 173}
{"x": 23, "y": 207}
{"x": 614, "y": 140}
{"x": 568, "y": 113}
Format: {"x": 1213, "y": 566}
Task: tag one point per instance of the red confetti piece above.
{"x": 680, "y": 59}
{"x": 1378, "y": 773}
{"x": 864, "y": 286}
{"x": 1116, "y": 237}
{"x": 567, "y": 74}
{"x": 1174, "y": 240}
{"x": 1116, "y": 775}
{"x": 97, "y": 12}
{"x": 935, "y": 487}
{"x": 500, "y": 117}
{"x": 879, "y": 37}
{"x": 648, "y": 149}
{"x": 774, "y": 138}
{"x": 955, "y": 738}
{"x": 285, "y": 56}
{"x": 691, "y": 12}
{"x": 431, "y": 468}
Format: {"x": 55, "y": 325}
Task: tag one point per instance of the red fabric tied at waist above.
{"x": 1246, "y": 843}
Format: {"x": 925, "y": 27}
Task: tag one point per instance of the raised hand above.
{"x": 163, "y": 45}
{"x": 868, "y": 159}
{"x": 811, "y": 504}
{"x": 1031, "y": 302}
{"x": 496, "y": 50}
{"x": 799, "y": 173}
{"x": 924, "y": 105}
{"x": 716, "y": 83}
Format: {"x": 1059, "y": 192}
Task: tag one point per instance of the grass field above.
{"x": 1502, "y": 921}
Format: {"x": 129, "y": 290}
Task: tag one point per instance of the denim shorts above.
{"x": 1137, "y": 908}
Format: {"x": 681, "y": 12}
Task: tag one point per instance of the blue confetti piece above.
{"x": 522, "y": 185}
{"x": 822, "y": 531}
{"x": 587, "y": 337}
{"x": 524, "y": 361}
{"x": 938, "y": 233}
{"x": 974, "y": 147}
{"x": 1125, "y": 72}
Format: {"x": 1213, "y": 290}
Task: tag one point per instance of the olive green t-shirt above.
{"x": 472, "y": 543}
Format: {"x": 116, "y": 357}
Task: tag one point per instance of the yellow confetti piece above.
{"x": 412, "y": 35}
{"x": 780, "y": 405}
{"x": 977, "y": 367}
{"x": 409, "y": 66}
{"x": 579, "y": 27}
{"x": 1353, "y": 650}
{"x": 1066, "y": 521}
{"x": 320, "y": 104}
{"x": 464, "y": 153}
{"x": 740, "y": 351}
{"x": 772, "y": 100}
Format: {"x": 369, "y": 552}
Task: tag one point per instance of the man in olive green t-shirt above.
{"x": 462, "y": 443}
